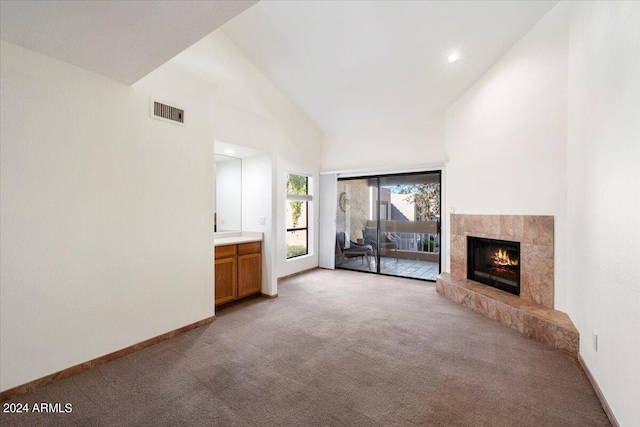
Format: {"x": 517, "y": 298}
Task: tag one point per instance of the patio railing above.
{"x": 418, "y": 242}
{"x": 414, "y": 236}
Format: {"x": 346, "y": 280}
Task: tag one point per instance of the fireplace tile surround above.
{"x": 532, "y": 313}
{"x": 535, "y": 234}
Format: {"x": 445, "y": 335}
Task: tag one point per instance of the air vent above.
{"x": 168, "y": 112}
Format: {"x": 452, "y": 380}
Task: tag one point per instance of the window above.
{"x": 384, "y": 211}
{"x": 298, "y": 199}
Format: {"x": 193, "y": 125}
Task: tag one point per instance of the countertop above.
{"x": 234, "y": 238}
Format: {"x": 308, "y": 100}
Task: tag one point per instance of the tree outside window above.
{"x": 426, "y": 197}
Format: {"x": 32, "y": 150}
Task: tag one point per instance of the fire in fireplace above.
{"x": 494, "y": 262}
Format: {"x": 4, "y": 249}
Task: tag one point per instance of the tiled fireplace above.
{"x": 517, "y": 292}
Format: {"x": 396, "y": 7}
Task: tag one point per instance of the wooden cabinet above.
{"x": 226, "y": 280}
{"x": 238, "y": 271}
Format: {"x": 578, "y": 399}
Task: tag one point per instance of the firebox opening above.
{"x": 494, "y": 262}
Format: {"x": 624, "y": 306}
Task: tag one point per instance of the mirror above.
{"x": 228, "y": 172}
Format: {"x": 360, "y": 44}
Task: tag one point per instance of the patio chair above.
{"x": 386, "y": 242}
{"x": 355, "y": 250}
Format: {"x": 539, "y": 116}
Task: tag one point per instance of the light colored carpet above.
{"x": 336, "y": 348}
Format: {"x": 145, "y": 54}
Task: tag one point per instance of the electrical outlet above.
{"x": 595, "y": 341}
{"x": 263, "y": 220}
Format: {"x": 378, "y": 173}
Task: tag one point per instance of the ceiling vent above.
{"x": 167, "y": 113}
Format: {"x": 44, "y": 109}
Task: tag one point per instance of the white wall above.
{"x": 506, "y": 138}
{"x": 604, "y": 196}
{"x": 386, "y": 145}
{"x": 106, "y": 214}
{"x": 257, "y": 202}
{"x": 250, "y": 111}
{"x": 228, "y": 177}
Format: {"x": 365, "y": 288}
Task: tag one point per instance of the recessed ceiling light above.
{"x": 453, "y": 57}
{"x": 229, "y": 151}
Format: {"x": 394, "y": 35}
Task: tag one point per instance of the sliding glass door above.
{"x": 390, "y": 224}
{"x": 410, "y": 233}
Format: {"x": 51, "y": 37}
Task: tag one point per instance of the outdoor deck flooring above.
{"x": 413, "y": 269}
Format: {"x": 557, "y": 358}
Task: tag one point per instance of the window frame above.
{"x": 306, "y": 198}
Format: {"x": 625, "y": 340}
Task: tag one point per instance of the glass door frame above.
{"x": 378, "y": 204}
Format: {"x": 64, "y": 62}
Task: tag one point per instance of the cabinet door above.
{"x": 249, "y": 274}
{"x": 226, "y": 280}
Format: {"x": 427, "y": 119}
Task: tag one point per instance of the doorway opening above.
{"x": 390, "y": 224}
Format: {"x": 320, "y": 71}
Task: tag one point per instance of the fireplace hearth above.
{"x": 494, "y": 263}
{"x": 531, "y": 312}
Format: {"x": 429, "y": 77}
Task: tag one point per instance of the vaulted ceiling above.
{"x": 124, "y": 40}
{"x": 353, "y": 63}
{"x": 345, "y": 63}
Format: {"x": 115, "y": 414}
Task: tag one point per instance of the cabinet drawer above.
{"x": 225, "y": 251}
{"x": 249, "y": 248}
